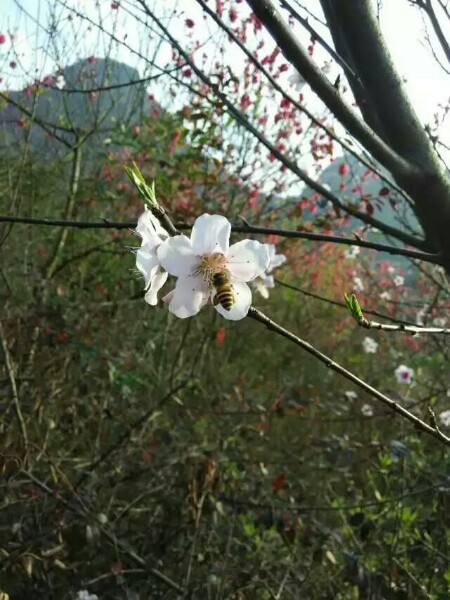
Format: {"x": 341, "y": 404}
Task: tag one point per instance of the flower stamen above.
{"x": 209, "y": 265}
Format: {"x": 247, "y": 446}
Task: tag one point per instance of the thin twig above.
{"x": 70, "y": 205}
{"x": 15, "y": 394}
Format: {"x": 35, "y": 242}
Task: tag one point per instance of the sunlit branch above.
{"x": 414, "y": 329}
{"x": 334, "y": 366}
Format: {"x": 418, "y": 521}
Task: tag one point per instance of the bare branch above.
{"x": 334, "y": 366}
{"x": 245, "y": 228}
{"x": 15, "y": 394}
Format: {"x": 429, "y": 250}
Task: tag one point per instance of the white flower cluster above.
{"x": 352, "y": 252}
{"x": 404, "y": 374}
{"x": 207, "y": 268}
{"x": 262, "y": 284}
{"x": 444, "y": 418}
{"x": 370, "y": 346}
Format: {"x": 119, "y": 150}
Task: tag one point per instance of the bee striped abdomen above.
{"x": 224, "y": 290}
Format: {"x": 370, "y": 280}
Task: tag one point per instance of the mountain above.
{"x": 95, "y": 95}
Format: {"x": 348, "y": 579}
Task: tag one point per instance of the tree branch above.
{"x": 245, "y": 228}
{"x": 386, "y": 100}
{"x": 429, "y": 10}
{"x": 331, "y": 364}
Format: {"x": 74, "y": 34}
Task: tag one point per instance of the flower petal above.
{"x": 149, "y": 228}
{"x": 247, "y": 259}
{"x": 269, "y": 281}
{"x": 158, "y": 280}
{"x": 210, "y": 233}
{"x": 189, "y": 295}
{"x": 276, "y": 261}
{"x": 146, "y": 261}
{"x": 242, "y": 302}
{"x": 176, "y": 256}
{"x": 259, "y": 286}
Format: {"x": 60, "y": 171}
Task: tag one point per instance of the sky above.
{"x": 426, "y": 82}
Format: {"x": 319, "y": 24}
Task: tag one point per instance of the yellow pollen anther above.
{"x": 209, "y": 265}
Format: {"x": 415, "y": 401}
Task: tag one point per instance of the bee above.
{"x": 224, "y": 290}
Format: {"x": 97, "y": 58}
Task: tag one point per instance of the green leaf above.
{"x": 146, "y": 191}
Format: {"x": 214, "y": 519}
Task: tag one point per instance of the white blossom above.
{"x": 352, "y": 252}
{"x": 398, "y": 280}
{"x": 385, "y": 296}
{"x": 444, "y": 418}
{"x": 297, "y": 81}
{"x": 263, "y": 284}
{"x": 60, "y": 82}
{"x": 421, "y": 315}
{"x": 367, "y": 410}
{"x": 326, "y": 68}
{"x": 350, "y": 395}
{"x": 358, "y": 284}
{"x": 404, "y": 374}
{"x": 147, "y": 262}
{"x": 197, "y": 260}
{"x": 85, "y": 595}
{"x": 370, "y": 346}
{"x": 440, "y": 322}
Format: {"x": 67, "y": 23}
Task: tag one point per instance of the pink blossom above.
{"x": 91, "y": 59}
{"x": 2, "y": 38}
{"x": 245, "y": 101}
{"x": 344, "y": 169}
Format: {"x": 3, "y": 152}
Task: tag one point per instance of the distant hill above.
{"x": 356, "y": 185}
{"x": 77, "y": 105}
